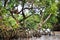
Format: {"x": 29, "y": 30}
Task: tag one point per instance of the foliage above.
{"x": 14, "y": 19}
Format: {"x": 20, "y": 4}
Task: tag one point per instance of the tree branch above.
{"x": 25, "y": 18}
{"x": 14, "y": 17}
{"x": 42, "y": 22}
{"x": 47, "y": 18}
{"x": 23, "y": 3}
{"x": 5, "y": 2}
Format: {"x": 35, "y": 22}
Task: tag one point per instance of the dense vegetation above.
{"x": 22, "y": 15}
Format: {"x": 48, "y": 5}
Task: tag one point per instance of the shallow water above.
{"x": 57, "y": 37}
